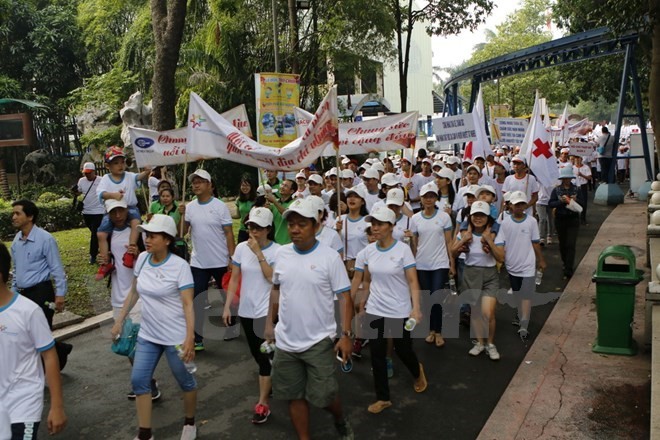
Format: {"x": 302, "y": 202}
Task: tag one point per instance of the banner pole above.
{"x": 183, "y": 193}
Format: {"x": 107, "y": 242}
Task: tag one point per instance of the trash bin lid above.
{"x": 617, "y": 271}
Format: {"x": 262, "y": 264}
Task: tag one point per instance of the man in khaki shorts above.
{"x": 307, "y": 276}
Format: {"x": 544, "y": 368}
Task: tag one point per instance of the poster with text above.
{"x": 277, "y": 95}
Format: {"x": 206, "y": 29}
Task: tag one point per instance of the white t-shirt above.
{"x": 517, "y": 237}
{"x": 309, "y": 282}
{"x": 153, "y": 188}
{"x": 431, "y": 245}
{"x": 160, "y": 286}
{"x": 25, "y": 334}
{"x": 371, "y": 199}
{"x": 330, "y": 237}
{"x": 128, "y": 183}
{"x": 476, "y": 256}
{"x": 585, "y": 170}
{"x": 354, "y": 236}
{"x": 402, "y": 223}
{"x": 122, "y": 277}
{"x": 207, "y": 222}
{"x": 255, "y": 288}
{"x": 418, "y": 180}
{"x": 91, "y": 203}
{"x": 544, "y": 195}
{"x": 389, "y": 293}
{"x": 5, "y": 423}
{"x": 527, "y": 184}
{"x": 413, "y": 192}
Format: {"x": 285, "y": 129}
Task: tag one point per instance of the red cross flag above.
{"x": 537, "y": 151}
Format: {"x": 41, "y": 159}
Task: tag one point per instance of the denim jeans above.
{"x": 432, "y": 281}
{"x": 146, "y": 359}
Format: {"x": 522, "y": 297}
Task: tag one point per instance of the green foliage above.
{"x": 48, "y": 197}
{"x": 111, "y": 88}
{"x": 137, "y": 51}
{"x": 102, "y": 139}
{"x": 10, "y": 88}
{"x": 53, "y": 216}
{"x": 34, "y": 191}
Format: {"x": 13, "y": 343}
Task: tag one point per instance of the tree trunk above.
{"x": 403, "y": 77}
{"x": 293, "y": 39}
{"x": 167, "y": 19}
{"x": 403, "y": 84}
{"x": 654, "y": 77}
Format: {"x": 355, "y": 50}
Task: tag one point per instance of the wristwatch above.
{"x": 348, "y": 333}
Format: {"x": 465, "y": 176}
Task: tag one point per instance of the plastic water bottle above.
{"x": 410, "y": 324}
{"x": 50, "y": 305}
{"x": 346, "y": 367}
{"x": 539, "y": 277}
{"x": 191, "y": 367}
{"x": 267, "y": 347}
{"x": 452, "y": 286}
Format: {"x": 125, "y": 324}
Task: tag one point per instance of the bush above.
{"x": 34, "y": 191}
{"x": 48, "y": 197}
{"x": 53, "y": 216}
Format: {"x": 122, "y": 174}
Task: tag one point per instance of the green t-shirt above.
{"x": 281, "y": 230}
{"x": 155, "y": 207}
{"x": 174, "y": 212}
{"x": 243, "y": 211}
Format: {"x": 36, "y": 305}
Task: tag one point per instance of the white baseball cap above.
{"x": 473, "y": 167}
{"x": 485, "y": 188}
{"x": 479, "y": 156}
{"x": 316, "y": 202}
{"x": 382, "y": 214}
{"x": 160, "y": 223}
{"x": 507, "y": 196}
{"x": 202, "y": 174}
{"x": 480, "y": 207}
{"x": 345, "y": 161}
{"x": 378, "y": 166}
{"x": 453, "y": 160}
{"x": 389, "y": 179}
{"x": 260, "y": 216}
{"x": 472, "y": 190}
{"x": 430, "y": 187}
{"x": 438, "y": 163}
{"x": 371, "y": 174}
{"x": 427, "y": 160}
{"x": 88, "y": 167}
{"x": 111, "y": 204}
{"x": 565, "y": 150}
{"x": 263, "y": 189}
{"x": 394, "y": 197}
{"x": 316, "y": 179}
{"x": 357, "y": 190}
{"x": 445, "y": 173}
{"x": 301, "y": 175}
{"x": 347, "y": 174}
{"x": 519, "y": 158}
{"x": 518, "y": 197}
{"x": 331, "y": 172}
{"x": 303, "y": 208}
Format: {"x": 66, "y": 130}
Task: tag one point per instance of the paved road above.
{"x": 462, "y": 390}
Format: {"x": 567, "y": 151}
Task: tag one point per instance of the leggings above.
{"x": 254, "y": 342}
{"x": 201, "y": 278}
{"x": 432, "y": 281}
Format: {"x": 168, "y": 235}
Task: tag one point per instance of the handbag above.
{"x": 601, "y": 150}
{"x": 125, "y": 344}
{"x": 79, "y": 205}
{"x": 225, "y": 286}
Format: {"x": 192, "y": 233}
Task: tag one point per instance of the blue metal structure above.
{"x": 574, "y": 48}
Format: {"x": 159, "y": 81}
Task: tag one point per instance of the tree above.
{"x": 441, "y": 17}
{"x": 168, "y": 19}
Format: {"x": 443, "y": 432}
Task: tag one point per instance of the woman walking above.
{"x": 252, "y": 265}
{"x": 393, "y": 297}
{"x": 566, "y": 201}
{"x": 247, "y": 195}
{"x": 164, "y": 282}
{"x": 352, "y": 226}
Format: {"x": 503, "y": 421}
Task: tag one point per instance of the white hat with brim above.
{"x": 382, "y": 214}
{"x": 389, "y": 179}
{"x": 430, "y": 187}
{"x": 301, "y": 175}
{"x": 507, "y": 196}
{"x": 301, "y": 207}
{"x": 260, "y": 216}
{"x": 480, "y": 207}
{"x": 485, "y": 188}
{"x": 472, "y": 190}
{"x": 519, "y": 158}
{"x": 518, "y": 197}
{"x": 331, "y": 172}
{"x": 473, "y": 167}
{"x": 88, "y": 167}
{"x": 565, "y": 150}
{"x": 111, "y": 204}
{"x": 316, "y": 179}
{"x": 316, "y": 202}
{"x": 395, "y": 197}
{"x": 445, "y": 173}
{"x": 347, "y": 174}
{"x": 202, "y": 174}
{"x": 566, "y": 173}
{"x": 358, "y": 191}
{"x": 345, "y": 161}
{"x": 160, "y": 224}
{"x": 371, "y": 174}
{"x": 263, "y": 189}
{"x": 378, "y": 166}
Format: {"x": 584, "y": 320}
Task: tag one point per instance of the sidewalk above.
{"x": 564, "y": 391}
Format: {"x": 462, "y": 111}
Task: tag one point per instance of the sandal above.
{"x": 439, "y": 340}
{"x": 420, "y": 383}
{"x": 430, "y": 338}
{"x": 379, "y": 406}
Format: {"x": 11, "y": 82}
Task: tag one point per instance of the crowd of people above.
{"x": 324, "y": 265}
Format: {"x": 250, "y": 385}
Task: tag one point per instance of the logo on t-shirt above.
{"x": 4, "y": 330}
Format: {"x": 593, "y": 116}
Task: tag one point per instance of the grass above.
{"x": 86, "y": 296}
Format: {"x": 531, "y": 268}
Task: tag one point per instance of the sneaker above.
{"x": 344, "y": 429}
{"x": 199, "y": 346}
{"x": 189, "y": 432}
{"x": 365, "y": 342}
{"x": 357, "y": 349}
{"x": 390, "y": 368}
{"x": 542, "y": 242}
{"x": 155, "y": 391}
{"x": 261, "y": 413}
{"x": 477, "y": 349}
{"x": 128, "y": 260}
{"x": 130, "y": 395}
{"x": 516, "y": 321}
{"x": 524, "y": 334}
{"x": 104, "y": 271}
{"x": 492, "y": 352}
{"x": 548, "y": 239}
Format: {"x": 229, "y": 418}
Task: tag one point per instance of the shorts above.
{"x": 135, "y": 314}
{"x": 107, "y": 226}
{"x": 480, "y": 281}
{"x": 309, "y": 375}
{"x": 523, "y": 287}
{"x": 24, "y": 431}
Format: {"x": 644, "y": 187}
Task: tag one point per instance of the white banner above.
{"x": 584, "y": 149}
{"x": 380, "y": 134}
{"x": 162, "y": 148}
{"x": 455, "y": 129}
{"x": 511, "y": 130}
{"x": 211, "y": 135}
{"x": 580, "y": 128}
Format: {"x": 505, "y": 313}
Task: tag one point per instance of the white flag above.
{"x": 480, "y": 147}
{"x": 562, "y": 125}
{"x": 537, "y": 150}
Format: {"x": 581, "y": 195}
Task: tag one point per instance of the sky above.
{"x": 452, "y": 51}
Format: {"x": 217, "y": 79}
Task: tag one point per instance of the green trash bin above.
{"x": 615, "y": 301}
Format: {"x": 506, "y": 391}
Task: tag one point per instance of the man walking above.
{"x": 92, "y": 209}
{"x": 37, "y": 265}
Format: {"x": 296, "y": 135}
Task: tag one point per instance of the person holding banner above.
{"x": 277, "y": 206}
{"x": 582, "y": 180}
{"x": 210, "y": 225}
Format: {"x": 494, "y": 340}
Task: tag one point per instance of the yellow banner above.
{"x": 277, "y": 95}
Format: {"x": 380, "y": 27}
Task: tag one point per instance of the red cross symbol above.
{"x": 542, "y": 148}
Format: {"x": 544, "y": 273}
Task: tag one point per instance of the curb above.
{"x": 83, "y": 327}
